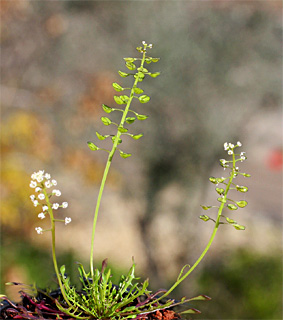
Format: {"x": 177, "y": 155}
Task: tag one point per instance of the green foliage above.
{"x": 244, "y": 285}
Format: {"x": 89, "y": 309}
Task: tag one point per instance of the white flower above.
{"x": 41, "y": 196}
{"x": 226, "y": 146}
{"x": 37, "y": 189}
{"x": 47, "y": 176}
{"x": 39, "y": 230}
{"x": 45, "y": 208}
{"x": 55, "y": 206}
{"x": 56, "y": 192}
{"x": 35, "y": 203}
{"x": 32, "y": 197}
{"x": 143, "y": 42}
{"x": 33, "y": 184}
{"x": 230, "y": 152}
{"x": 64, "y": 205}
{"x": 67, "y": 220}
{"x": 41, "y": 215}
{"x": 231, "y": 145}
{"x": 54, "y": 182}
{"x": 48, "y": 184}
{"x": 38, "y": 175}
{"x": 239, "y": 144}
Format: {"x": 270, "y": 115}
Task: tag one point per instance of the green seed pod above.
{"x": 130, "y": 66}
{"x": 138, "y": 90}
{"x": 220, "y": 199}
{"x": 242, "y": 188}
{"x": 155, "y": 74}
{"x": 155, "y": 59}
{"x": 92, "y": 146}
{"x": 206, "y": 207}
{"x": 238, "y": 226}
{"x": 230, "y": 221}
{"x": 220, "y": 190}
{"x": 113, "y": 140}
{"x": 123, "y": 74}
{"x": 124, "y": 155}
{"x": 144, "y": 98}
{"x": 137, "y": 136}
{"x": 118, "y": 100}
{"x": 106, "y": 121}
{"x": 117, "y": 87}
{"x": 101, "y": 137}
{"x": 122, "y": 129}
{"x": 204, "y": 217}
{"x": 129, "y": 59}
{"x": 241, "y": 203}
{"x": 141, "y": 117}
{"x": 106, "y": 108}
{"x": 130, "y": 120}
{"x": 232, "y": 206}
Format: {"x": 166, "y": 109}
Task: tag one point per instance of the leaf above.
{"x": 232, "y": 206}
{"x": 231, "y": 221}
{"x": 106, "y": 108}
{"x": 124, "y": 155}
{"x": 155, "y": 74}
{"x": 204, "y": 217}
{"x": 206, "y": 207}
{"x": 101, "y": 137}
{"x": 238, "y": 226}
{"x": 117, "y": 87}
{"x": 192, "y": 310}
{"x": 123, "y": 74}
{"x": 182, "y": 271}
{"x": 141, "y": 117}
{"x": 144, "y": 98}
{"x": 106, "y": 121}
{"x": 242, "y": 203}
{"x": 242, "y": 188}
{"x": 130, "y": 66}
{"x": 92, "y": 146}
{"x": 137, "y": 136}
{"x": 130, "y": 120}
{"x": 200, "y": 297}
{"x": 220, "y": 190}
{"x": 122, "y": 129}
{"x": 138, "y": 90}
{"x": 118, "y": 100}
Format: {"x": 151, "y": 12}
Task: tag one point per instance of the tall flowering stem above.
{"x": 223, "y": 199}
{"x": 138, "y": 76}
{"x": 42, "y": 182}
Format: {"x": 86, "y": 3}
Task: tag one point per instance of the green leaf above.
{"x": 138, "y": 90}
{"x": 144, "y": 98}
{"x": 123, "y": 74}
{"x": 155, "y": 74}
{"x": 192, "y": 311}
{"x": 106, "y": 108}
{"x": 220, "y": 190}
{"x": 130, "y": 65}
{"x": 118, "y": 100}
{"x": 232, "y": 206}
{"x": 206, "y": 207}
{"x": 200, "y": 297}
{"x": 242, "y": 188}
{"x": 231, "y": 221}
{"x": 124, "y": 155}
{"x": 241, "y": 203}
{"x": 130, "y": 120}
{"x": 137, "y": 136}
{"x": 204, "y": 217}
{"x": 238, "y": 226}
{"x": 106, "y": 121}
{"x": 101, "y": 137}
{"x": 141, "y": 117}
{"x": 129, "y": 59}
{"x": 122, "y": 129}
{"x": 117, "y": 87}
{"x": 92, "y": 146}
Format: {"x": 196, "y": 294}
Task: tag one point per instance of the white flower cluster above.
{"x": 41, "y": 181}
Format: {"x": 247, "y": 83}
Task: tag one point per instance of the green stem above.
{"x": 107, "y": 167}
{"x": 50, "y": 211}
{"x": 217, "y": 223}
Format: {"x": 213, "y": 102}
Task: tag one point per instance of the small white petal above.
{"x": 33, "y": 184}
{"x": 41, "y": 215}
{"x": 32, "y": 197}
{"x": 35, "y": 203}
{"x": 67, "y": 220}
{"x": 55, "y": 206}
{"x": 47, "y": 176}
{"x": 39, "y": 230}
{"x": 239, "y": 144}
{"x": 48, "y": 184}
{"x": 45, "y": 208}
{"x": 65, "y": 205}
{"x": 54, "y": 182}
{"x": 230, "y": 152}
{"x": 41, "y": 196}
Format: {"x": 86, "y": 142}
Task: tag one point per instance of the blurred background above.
{"x": 221, "y": 81}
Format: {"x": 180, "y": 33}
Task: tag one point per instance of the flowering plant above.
{"x": 99, "y": 298}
